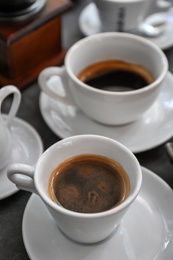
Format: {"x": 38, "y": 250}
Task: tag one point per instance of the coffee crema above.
{"x": 88, "y": 184}
{"x": 116, "y": 75}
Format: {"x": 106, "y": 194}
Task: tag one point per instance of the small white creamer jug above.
{"x": 5, "y": 137}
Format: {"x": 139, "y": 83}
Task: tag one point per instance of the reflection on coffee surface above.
{"x": 89, "y": 184}
{"x": 116, "y": 75}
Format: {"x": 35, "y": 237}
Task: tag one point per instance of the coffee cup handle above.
{"x": 22, "y": 176}
{"x": 6, "y": 91}
{"x": 53, "y": 81}
{"x": 163, "y": 5}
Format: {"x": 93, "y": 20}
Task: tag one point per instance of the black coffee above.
{"x": 89, "y": 184}
{"x": 116, "y": 75}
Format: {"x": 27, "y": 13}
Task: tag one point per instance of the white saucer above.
{"x": 146, "y": 232}
{"x": 151, "y": 130}
{"x": 89, "y": 24}
{"x": 27, "y": 148}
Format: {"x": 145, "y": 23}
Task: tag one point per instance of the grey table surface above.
{"x": 12, "y": 208}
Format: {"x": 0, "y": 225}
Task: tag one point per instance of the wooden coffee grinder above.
{"x": 30, "y": 39}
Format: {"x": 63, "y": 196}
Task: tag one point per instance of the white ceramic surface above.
{"x": 89, "y": 24}
{"x": 26, "y": 148}
{"x": 5, "y": 137}
{"x": 146, "y": 232}
{"x": 111, "y": 106}
{"x": 153, "y": 129}
{"x": 81, "y": 227}
{"x": 126, "y": 15}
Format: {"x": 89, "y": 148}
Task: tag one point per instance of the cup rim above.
{"x": 130, "y": 198}
{"x": 147, "y": 42}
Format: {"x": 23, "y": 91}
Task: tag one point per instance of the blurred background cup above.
{"x": 81, "y": 227}
{"x": 5, "y": 137}
{"x": 126, "y": 15}
{"x": 117, "y": 104}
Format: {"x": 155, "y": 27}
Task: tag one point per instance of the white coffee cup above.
{"x": 126, "y": 15}
{"x": 5, "y": 137}
{"x": 81, "y": 227}
{"x": 107, "y": 107}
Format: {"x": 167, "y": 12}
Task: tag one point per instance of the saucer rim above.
{"x": 40, "y": 148}
{"x": 150, "y": 174}
{"x": 134, "y": 148}
{"x": 164, "y": 46}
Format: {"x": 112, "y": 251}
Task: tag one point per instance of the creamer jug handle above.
{"x": 5, "y": 92}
